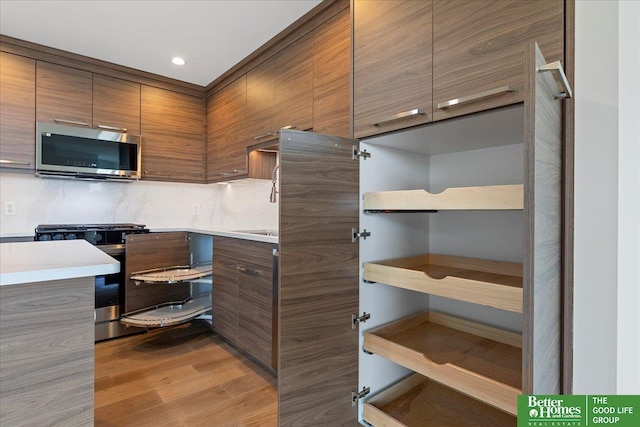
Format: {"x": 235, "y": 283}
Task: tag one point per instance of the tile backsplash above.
{"x": 240, "y": 204}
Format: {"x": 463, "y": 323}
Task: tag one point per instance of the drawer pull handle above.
{"x": 233, "y": 172}
{"x": 246, "y": 270}
{"x": 560, "y": 76}
{"x": 14, "y": 162}
{"x": 400, "y": 116}
{"x": 157, "y": 173}
{"x": 264, "y": 135}
{"x": 475, "y": 97}
{"x": 71, "y": 122}
{"x": 115, "y": 128}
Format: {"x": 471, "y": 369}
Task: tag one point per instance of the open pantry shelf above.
{"x": 170, "y": 275}
{"x": 419, "y": 402}
{"x": 492, "y": 197}
{"x": 492, "y": 283}
{"x": 169, "y": 314}
{"x": 477, "y": 360}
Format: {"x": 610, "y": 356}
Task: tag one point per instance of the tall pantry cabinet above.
{"x": 453, "y": 231}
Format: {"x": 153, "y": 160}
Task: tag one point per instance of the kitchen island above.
{"x": 46, "y": 331}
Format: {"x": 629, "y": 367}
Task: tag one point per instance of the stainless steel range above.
{"x": 110, "y": 289}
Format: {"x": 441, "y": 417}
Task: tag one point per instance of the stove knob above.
{"x": 70, "y": 236}
{"x": 58, "y": 236}
{"x": 44, "y": 237}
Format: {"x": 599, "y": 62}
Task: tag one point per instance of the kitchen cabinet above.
{"x": 454, "y": 293}
{"x": 244, "y": 297}
{"x": 226, "y": 130}
{"x": 392, "y": 65}
{"x": 64, "y": 95}
{"x": 116, "y": 105}
{"x": 166, "y": 279}
{"x": 294, "y": 85}
{"x": 280, "y": 92}
{"x": 332, "y": 76}
{"x": 478, "y": 48}
{"x": 172, "y": 128}
{"x": 261, "y": 101}
{"x": 17, "y": 111}
{"x": 47, "y": 351}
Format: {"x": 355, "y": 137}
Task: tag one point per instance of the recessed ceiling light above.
{"x": 178, "y": 61}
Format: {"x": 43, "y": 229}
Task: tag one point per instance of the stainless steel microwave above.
{"x": 81, "y": 153}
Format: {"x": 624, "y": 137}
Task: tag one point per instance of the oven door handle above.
{"x": 115, "y": 249}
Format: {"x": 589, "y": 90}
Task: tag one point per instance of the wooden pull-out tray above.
{"x": 482, "y": 362}
{"x": 419, "y": 402}
{"x": 492, "y": 283}
{"x": 491, "y": 197}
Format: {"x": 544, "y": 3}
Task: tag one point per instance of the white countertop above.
{"x": 26, "y": 262}
{"x": 245, "y": 234}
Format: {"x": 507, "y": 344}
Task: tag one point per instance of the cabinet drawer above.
{"x": 259, "y": 253}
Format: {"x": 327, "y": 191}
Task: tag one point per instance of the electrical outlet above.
{"x": 10, "y": 208}
{"x": 195, "y": 209}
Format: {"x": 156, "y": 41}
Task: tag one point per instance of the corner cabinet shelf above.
{"x": 172, "y": 275}
{"x": 476, "y": 360}
{"x": 492, "y": 197}
{"x": 417, "y": 401}
{"x": 172, "y": 312}
{"x": 491, "y": 283}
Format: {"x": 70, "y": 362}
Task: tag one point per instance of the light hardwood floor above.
{"x": 184, "y": 376}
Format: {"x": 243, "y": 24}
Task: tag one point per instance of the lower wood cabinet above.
{"x": 244, "y": 307}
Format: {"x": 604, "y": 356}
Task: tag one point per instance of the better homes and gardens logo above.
{"x": 550, "y": 411}
{"x": 578, "y": 410}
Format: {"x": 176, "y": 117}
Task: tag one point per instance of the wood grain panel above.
{"x": 392, "y": 64}
{"x": 149, "y": 251}
{"x": 318, "y": 363}
{"x": 225, "y": 296}
{"x": 543, "y": 220}
{"x": 63, "y": 93}
{"x": 259, "y": 253}
{"x": 17, "y": 111}
{"x": 261, "y": 101}
{"x": 46, "y": 353}
{"x": 332, "y": 76}
{"x": 255, "y": 312}
{"x": 294, "y": 85}
{"x": 480, "y": 45}
{"x": 226, "y": 132}
{"x": 172, "y": 128}
{"x": 116, "y": 103}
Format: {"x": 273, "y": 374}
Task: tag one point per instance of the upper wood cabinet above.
{"x": 17, "y": 111}
{"x": 478, "y": 50}
{"x": 116, "y": 104}
{"x": 332, "y": 76}
{"x": 392, "y": 65}
{"x": 226, "y": 130}
{"x": 64, "y": 95}
{"x": 294, "y": 85}
{"x": 280, "y": 92}
{"x": 261, "y": 100}
{"x": 172, "y": 128}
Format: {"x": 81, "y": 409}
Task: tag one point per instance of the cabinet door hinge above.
{"x": 356, "y": 320}
{"x": 357, "y": 395}
{"x": 356, "y": 235}
{"x": 360, "y": 153}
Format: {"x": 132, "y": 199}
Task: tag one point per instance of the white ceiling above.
{"x": 212, "y": 35}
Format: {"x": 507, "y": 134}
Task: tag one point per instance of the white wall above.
{"x": 241, "y": 204}
{"x": 606, "y": 190}
{"x": 629, "y": 199}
